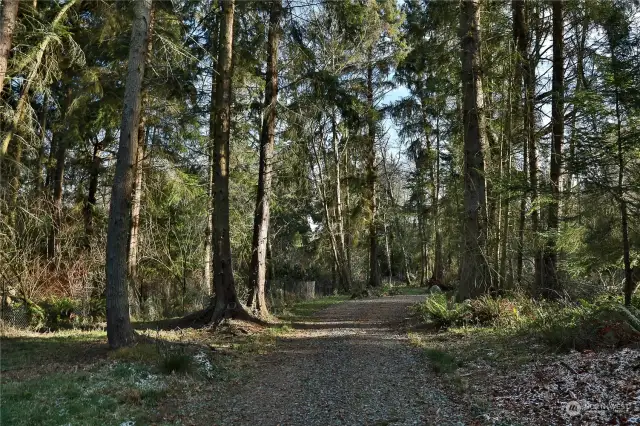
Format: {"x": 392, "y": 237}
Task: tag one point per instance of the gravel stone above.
{"x": 350, "y": 365}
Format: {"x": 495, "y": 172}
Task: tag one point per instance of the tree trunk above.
{"x": 257, "y": 280}
{"x": 551, "y": 285}
{"x": 119, "y": 330}
{"x": 43, "y": 140}
{"x": 345, "y": 275}
{"x": 629, "y": 284}
{"x": 58, "y": 184}
{"x": 530, "y": 126}
{"x": 7, "y": 26}
{"x": 374, "y": 271}
{"x": 207, "y": 261}
{"x": 474, "y": 274}
{"x": 90, "y": 203}
{"x": 226, "y": 300}
{"x": 438, "y": 266}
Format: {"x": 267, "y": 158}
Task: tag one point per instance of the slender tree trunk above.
{"x": 530, "y": 125}
{"x": 119, "y": 330}
{"x": 257, "y": 280}
{"x": 345, "y": 274}
{"x": 134, "y": 233}
{"x": 226, "y": 300}
{"x": 207, "y": 275}
{"x": 90, "y": 203}
{"x": 629, "y": 284}
{"x": 7, "y": 27}
{"x": 136, "y": 299}
{"x": 372, "y": 178}
{"x": 474, "y": 273}
{"x": 438, "y": 266}
{"x": 551, "y": 284}
{"x": 43, "y": 141}
{"x": 58, "y": 185}
{"x": 520, "y": 39}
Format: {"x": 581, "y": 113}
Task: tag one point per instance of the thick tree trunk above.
{"x": 7, "y": 26}
{"x": 119, "y": 330}
{"x": 474, "y": 273}
{"x": 549, "y": 281}
{"x": 257, "y": 280}
{"x": 226, "y": 299}
{"x": 372, "y": 178}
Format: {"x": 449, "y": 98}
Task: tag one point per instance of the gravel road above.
{"x": 349, "y": 365}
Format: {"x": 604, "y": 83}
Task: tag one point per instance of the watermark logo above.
{"x": 573, "y": 408}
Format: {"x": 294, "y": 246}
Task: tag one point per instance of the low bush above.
{"x": 562, "y": 325}
{"x": 586, "y": 325}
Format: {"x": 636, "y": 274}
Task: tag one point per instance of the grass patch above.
{"x": 412, "y": 291}
{"x": 108, "y": 394}
{"x": 441, "y": 361}
{"x": 302, "y": 310}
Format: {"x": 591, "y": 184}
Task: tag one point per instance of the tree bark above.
{"x": 520, "y": 32}
{"x": 474, "y": 273}
{"x": 257, "y": 280}
{"x": 90, "y": 203}
{"x": 119, "y": 330}
{"x": 43, "y": 139}
{"x": 551, "y": 285}
{"x": 58, "y": 186}
{"x": 207, "y": 275}
{"x": 7, "y": 27}
{"x": 372, "y": 178}
{"x": 226, "y": 299}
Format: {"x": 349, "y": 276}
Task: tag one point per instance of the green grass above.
{"x": 69, "y": 347}
{"x": 412, "y": 291}
{"x": 71, "y": 378}
{"x": 103, "y": 395}
{"x": 441, "y": 361}
{"x": 302, "y": 310}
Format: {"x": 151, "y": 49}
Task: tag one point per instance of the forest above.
{"x": 197, "y": 161}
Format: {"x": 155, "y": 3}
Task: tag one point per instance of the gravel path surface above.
{"x": 349, "y": 365}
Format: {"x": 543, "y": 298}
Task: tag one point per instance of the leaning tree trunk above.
{"x": 119, "y": 330}
{"x": 474, "y": 271}
{"x": 226, "y": 299}
{"x": 257, "y": 280}
{"x": 7, "y": 26}
{"x": 551, "y": 285}
{"x": 372, "y": 178}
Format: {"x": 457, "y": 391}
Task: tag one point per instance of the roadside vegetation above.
{"x": 508, "y": 356}
{"x": 69, "y": 376}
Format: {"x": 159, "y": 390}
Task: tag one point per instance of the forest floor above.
{"x": 332, "y": 361}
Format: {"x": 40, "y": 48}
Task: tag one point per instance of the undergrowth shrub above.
{"x": 586, "y": 325}
{"x": 562, "y": 325}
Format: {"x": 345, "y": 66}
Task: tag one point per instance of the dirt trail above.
{"x": 350, "y": 365}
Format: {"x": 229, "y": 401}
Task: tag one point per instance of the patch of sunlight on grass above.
{"x": 305, "y": 309}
